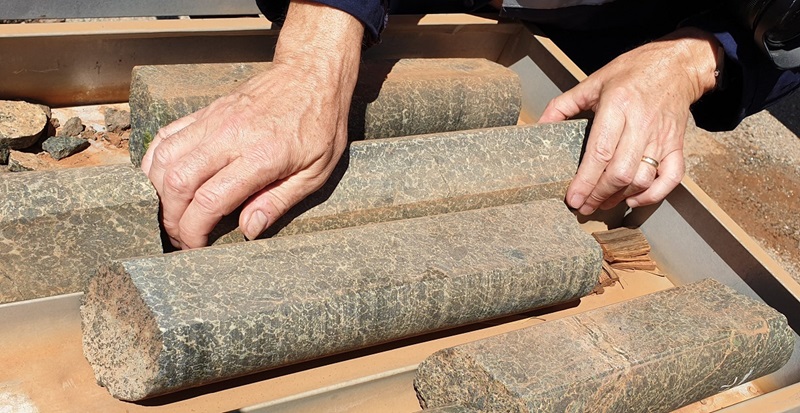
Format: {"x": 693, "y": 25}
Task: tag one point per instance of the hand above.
{"x": 270, "y": 143}
{"x": 641, "y": 102}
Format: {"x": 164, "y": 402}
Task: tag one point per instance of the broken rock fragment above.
{"x": 391, "y": 98}
{"x": 60, "y": 147}
{"x": 116, "y": 120}
{"x": 654, "y": 353}
{"x": 73, "y": 127}
{"x": 21, "y": 124}
{"x": 57, "y": 226}
{"x": 153, "y": 325}
{"x": 24, "y": 162}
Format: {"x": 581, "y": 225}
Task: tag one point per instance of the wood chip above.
{"x": 624, "y": 249}
{"x": 644, "y": 265}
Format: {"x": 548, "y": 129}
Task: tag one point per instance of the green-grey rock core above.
{"x": 60, "y": 147}
{"x": 655, "y": 353}
{"x": 56, "y": 227}
{"x": 397, "y": 178}
{"x": 158, "y": 324}
{"x": 392, "y": 98}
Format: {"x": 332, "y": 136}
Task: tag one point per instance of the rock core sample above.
{"x": 392, "y": 98}
{"x": 56, "y": 227}
{"x": 158, "y": 324}
{"x": 655, "y": 353}
{"x": 390, "y": 179}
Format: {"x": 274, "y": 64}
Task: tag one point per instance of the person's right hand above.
{"x": 641, "y": 99}
{"x": 270, "y": 143}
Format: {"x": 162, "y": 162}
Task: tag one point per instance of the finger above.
{"x": 164, "y": 133}
{"x": 622, "y": 168}
{"x": 642, "y": 180}
{"x": 602, "y": 142}
{"x": 184, "y": 177}
{"x": 223, "y": 193}
{"x": 169, "y": 153}
{"x": 173, "y": 148}
{"x": 271, "y": 203}
{"x": 670, "y": 173}
{"x": 572, "y": 102}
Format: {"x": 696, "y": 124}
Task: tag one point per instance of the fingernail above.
{"x": 632, "y": 203}
{"x": 586, "y": 210}
{"x": 576, "y": 201}
{"x": 255, "y": 225}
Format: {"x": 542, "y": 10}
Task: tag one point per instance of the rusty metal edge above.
{"x": 71, "y": 64}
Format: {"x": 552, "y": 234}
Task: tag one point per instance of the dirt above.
{"x": 753, "y": 173}
{"x": 105, "y": 147}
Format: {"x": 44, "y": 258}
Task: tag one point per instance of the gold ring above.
{"x": 650, "y": 161}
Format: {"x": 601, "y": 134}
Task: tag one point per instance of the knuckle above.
{"x": 162, "y": 156}
{"x": 621, "y": 177}
{"x": 595, "y": 199}
{"x": 209, "y": 202}
{"x": 674, "y": 178}
{"x": 176, "y": 180}
{"x": 602, "y": 154}
{"x": 640, "y": 182}
{"x": 555, "y": 103}
{"x": 621, "y": 97}
{"x": 161, "y": 134}
{"x": 171, "y": 227}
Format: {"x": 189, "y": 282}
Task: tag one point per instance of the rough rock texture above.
{"x": 73, "y": 127}
{"x": 21, "y": 124}
{"x": 392, "y": 98}
{"x": 24, "y": 161}
{"x": 60, "y": 147}
{"x": 56, "y": 227}
{"x": 158, "y": 324}
{"x": 654, "y": 353}
{"x": 117, "y": 120}
{"x": 4, "y": 156}
{"x": 389, "y": 179}
{"x": 451, "y": 409}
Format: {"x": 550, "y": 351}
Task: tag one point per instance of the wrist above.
{"x": 701, "y": 56}
{"x": 321, "y": 42}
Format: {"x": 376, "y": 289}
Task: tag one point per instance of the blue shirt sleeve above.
{"x": 371, "y": 13}
{"x": 750, "y": 82}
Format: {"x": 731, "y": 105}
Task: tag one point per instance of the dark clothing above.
{"x": 594, "y": 35}
{"x": 371, "y": 13}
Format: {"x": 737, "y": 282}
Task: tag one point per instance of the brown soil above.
{"x": 752, "y": 173}
{"x": 105, "y": 148}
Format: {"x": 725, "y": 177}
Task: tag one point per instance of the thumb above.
{"x": 569, "y": 104}
{"x": 266, "y": 206}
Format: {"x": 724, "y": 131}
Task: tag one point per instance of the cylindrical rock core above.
{"x": 655, "y": 353}
{"x": 159, "y": 324}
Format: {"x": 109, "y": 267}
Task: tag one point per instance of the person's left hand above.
{"x": 641, "y": 103}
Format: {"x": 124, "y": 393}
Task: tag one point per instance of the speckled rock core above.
{"x": 390, "y": 179}
{"x": 159, "y": 324}
{"x": 56, "y": 227}
{"x": 392, "y": 98}
{"x": 655, "y": 353}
